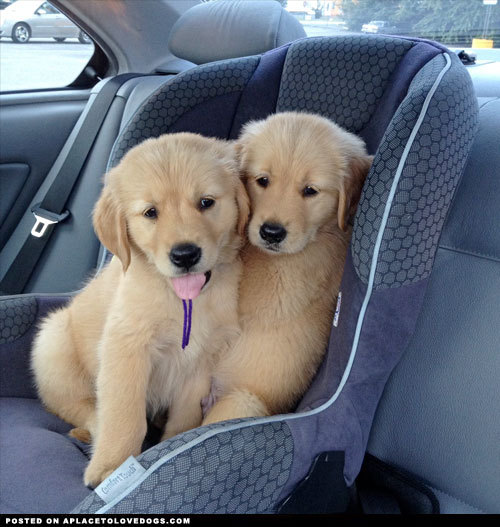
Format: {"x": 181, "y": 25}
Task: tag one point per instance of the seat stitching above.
{"x": 477, "y": 254}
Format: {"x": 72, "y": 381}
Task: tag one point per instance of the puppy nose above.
{"x": 272, "y": 232}
{"x": 185, "y": 255}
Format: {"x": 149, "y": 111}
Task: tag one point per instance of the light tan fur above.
{"x": 287, "y": 292}
{"x": 114, "y": 356}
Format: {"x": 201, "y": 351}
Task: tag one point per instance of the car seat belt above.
{"x": 51, "y": 210}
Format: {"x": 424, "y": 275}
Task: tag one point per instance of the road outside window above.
{"x": 472, "y": 25}
{"x": 39, "y": 46}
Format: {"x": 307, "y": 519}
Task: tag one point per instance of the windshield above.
{"x": 465, "y": 24}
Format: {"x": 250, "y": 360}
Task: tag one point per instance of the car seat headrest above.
{"x": 228, "y": 29}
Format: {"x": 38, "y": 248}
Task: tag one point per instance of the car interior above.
{"x": 403, "y": 415}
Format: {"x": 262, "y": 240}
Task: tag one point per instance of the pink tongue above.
{"x": 189, "y": 286}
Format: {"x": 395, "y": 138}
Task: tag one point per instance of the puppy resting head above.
{"x": 177, "y": 202}
{"x": 302, "y": 172}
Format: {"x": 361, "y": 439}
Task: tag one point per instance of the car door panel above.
{"x": 33, "y": 129}
{"x": 13, "y": 176}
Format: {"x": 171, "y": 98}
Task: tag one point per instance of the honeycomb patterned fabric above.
{"x": 17, "y": 315}
{"x": 170, "y": 102}
{"x": 239, "y": 471}
{"x": 341, "y": 78}
{"x": 428, "y": 179}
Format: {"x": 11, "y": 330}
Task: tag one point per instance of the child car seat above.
{"x": 413, "y": 103}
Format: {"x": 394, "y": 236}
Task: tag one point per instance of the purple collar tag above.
{"x": 186, "y": 330}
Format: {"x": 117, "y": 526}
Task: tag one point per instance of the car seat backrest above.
{"x": 227, "y": 29}
{"x": 417, "y": 165}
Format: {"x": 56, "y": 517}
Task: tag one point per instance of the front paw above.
{"x": 97, "y": 472}
{"x": 170, "y": 432}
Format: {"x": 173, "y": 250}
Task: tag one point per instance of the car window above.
{"x": 47, "y": 9}
{"x": 473, "y": 25}
{"x": 40, "y": 47}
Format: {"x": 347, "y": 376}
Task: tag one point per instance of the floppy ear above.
{"x": 351, "y": 189}
{"x": 248, "y": 132}
{"x": 238, "y": 150}
{"x": 111, "y": 226}
{"x": 243, "y": 202}
{"x": 230, "y": 151}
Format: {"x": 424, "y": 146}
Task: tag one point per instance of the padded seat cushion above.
{"x": 34, "y": 443}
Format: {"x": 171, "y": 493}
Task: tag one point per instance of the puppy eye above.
{"x": 263, "y": 181}
{"x": 309, "y": 191}
{"x": 206, "y": 203}
{"x": 151, "y": 213}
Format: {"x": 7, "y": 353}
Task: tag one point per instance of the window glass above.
{"x": 39, "y": 46}
{"x": 469, "y": 24}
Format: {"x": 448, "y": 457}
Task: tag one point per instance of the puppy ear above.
{"x": 111, "y": 226}
{"x": 248, "y": 132}
{"x": 238, "y": 150}
{"x": 243, "y": 202}
{"x": 230, "y": 151}
{"x": 352, "y": 186}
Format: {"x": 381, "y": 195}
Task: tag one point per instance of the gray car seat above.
{"x": 435, "y": 442}
{"x": 413, "y": 103}
{"x": 73, "y": 252}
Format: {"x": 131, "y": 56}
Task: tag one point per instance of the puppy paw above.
{"x": 81, "y": 434}
{"x": 96, "y": 472}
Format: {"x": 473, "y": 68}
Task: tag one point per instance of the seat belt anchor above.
{"x": 44, "y": 218}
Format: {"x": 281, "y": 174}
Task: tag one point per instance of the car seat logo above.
{"x": 126, "y": 474}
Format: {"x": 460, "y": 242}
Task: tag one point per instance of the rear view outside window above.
{"x": 465, "y": 24}
{"x": 39, "y": 46}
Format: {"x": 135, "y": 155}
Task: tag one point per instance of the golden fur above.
{"x": 114, "y": 354}
{"x": 288, "y": 290}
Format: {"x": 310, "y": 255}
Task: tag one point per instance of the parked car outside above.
{"x": 378, "y": 26}
{"x": 22, "y": 21}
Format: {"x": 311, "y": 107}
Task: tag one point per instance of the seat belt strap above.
{"x": 51, "y": 210}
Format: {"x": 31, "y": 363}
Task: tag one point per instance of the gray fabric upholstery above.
{"x": 228, "y": 29}
{"x": 231, "y": 472}
{"x": 427, "y": 181}
{"x": 342, "y": 78}
{"x": 173, "y": 100}
{"x": 34, "y": 442}
{"x": 438, "y": 417}
{"x": 17, "y": 317}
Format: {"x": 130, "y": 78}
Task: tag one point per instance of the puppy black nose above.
{"x": 185, "y": 255}
{"x": 272, "y": 232}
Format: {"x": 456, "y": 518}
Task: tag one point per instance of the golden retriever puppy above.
{"x": 304, "y": 175}
{"x": 172, "y": 213}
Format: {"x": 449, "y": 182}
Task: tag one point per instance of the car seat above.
{"x": 413, "y": 103}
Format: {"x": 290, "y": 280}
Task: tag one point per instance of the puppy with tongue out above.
{"x": 142, "y": 338}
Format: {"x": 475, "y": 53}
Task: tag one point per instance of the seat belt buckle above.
{"x": 44, "y": 218}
